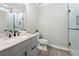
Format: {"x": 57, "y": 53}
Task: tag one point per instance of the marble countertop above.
{"x": 9, "y": 42}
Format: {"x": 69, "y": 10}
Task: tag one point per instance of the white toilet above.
{"x": 42, "y": 44}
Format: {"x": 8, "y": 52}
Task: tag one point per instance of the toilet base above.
{"x": 42, "y": 47}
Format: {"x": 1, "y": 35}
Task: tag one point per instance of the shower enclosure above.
{"x": 74, "y": 28}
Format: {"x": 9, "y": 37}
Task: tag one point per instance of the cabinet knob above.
{"x": 33, "y": 47}
{"x": 25, "y": 53}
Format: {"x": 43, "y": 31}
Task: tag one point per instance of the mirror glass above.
{"x": 3, "y": 16}
{"x": 11, "y": 20}
{"x": 15, "y": 21}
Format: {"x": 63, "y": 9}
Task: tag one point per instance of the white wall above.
{"x": 32, "y": 17}
{"x": 53, "y": 24}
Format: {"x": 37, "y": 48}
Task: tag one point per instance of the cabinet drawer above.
{"x": 35, "y": 38}
{"x": 32, "y": 49}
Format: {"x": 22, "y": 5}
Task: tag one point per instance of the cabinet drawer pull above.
{"x": 33, "y": 47}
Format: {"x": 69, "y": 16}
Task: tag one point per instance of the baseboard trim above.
{"x": 72, "y": 52}
{"x": 58, "y": 47}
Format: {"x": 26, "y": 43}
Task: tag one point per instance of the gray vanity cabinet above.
{"x": 25, "y": 48}
{"x": 30, "y": 47}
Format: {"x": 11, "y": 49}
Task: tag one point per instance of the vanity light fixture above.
{"x": 11, "y": 10}
{"x": 5, "y": 5}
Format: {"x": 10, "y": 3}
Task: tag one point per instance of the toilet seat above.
{"x": 43, "y": 41}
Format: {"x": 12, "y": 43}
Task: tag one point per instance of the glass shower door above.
{"x": 74, "y": 28}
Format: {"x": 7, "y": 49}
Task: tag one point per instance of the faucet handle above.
{"x": 15, "y": 33}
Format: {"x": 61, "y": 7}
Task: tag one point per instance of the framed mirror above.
{"x": 12, "y": 17}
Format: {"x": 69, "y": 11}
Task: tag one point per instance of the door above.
{"x": 32, "y": 49}
{"x": 74, "y": 28}
{"x": 22, "y": 52}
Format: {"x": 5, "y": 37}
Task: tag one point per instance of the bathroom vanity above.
{"x": 19, "y": 46}
{"x": 12, "y": 21}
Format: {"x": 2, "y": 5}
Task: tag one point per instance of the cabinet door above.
{"x": 34, "y": 52}
{"x": 21, "y": 52}
{"x": 7, "y": 52}
{"x": 32, "y": 49}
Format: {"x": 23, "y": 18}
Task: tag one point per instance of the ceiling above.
{"x": 41, "y": 4}
{"x": 15, "y": 6}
